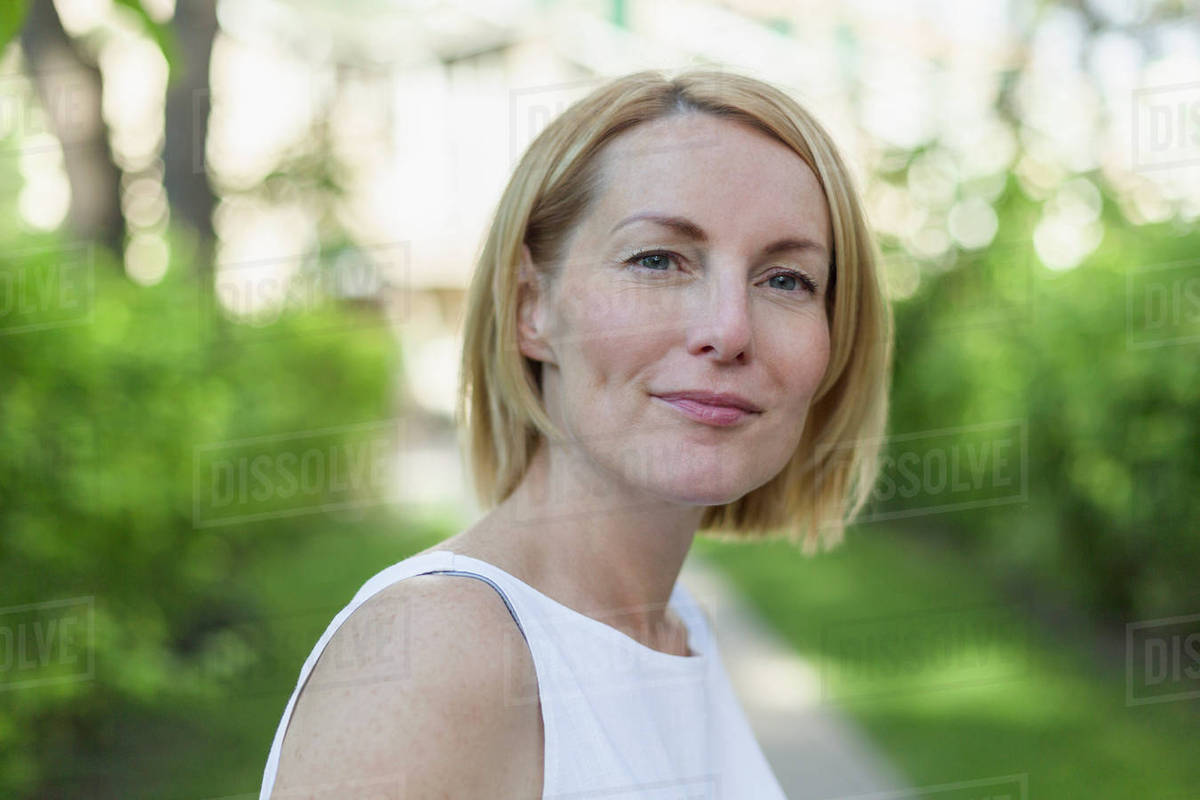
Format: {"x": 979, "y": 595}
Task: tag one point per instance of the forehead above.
{"x": 727, "y": 177}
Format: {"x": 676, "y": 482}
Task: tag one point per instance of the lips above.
{"x": 718, "y": 410}
{"x": 716, "y": 399}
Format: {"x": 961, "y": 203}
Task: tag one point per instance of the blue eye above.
{"x": 797, "y": 278}
{"x": 659, "y": 259}
{"x": 785, "y": 276}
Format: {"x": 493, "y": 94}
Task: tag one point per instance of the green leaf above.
{"x": 12, "y": 14}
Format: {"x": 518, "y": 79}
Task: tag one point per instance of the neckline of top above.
{"x": 678, "y": 601}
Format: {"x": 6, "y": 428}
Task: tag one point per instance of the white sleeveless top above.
{"x": 621, "y": 720}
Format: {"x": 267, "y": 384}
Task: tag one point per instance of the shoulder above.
{"x": 424, "y": 684}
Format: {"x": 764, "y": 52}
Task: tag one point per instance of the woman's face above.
{"x": 716, "y": 296}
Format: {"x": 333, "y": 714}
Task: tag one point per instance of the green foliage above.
{"x": 1110, "y": 403}
{"x": 124, "y": 408}
{"x": 12, "y": 14}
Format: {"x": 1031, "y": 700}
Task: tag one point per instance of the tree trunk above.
{"x": 187, "y": 110}
{"x": 70, "y": 91}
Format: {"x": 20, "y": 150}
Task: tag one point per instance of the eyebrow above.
{"x": 691, "y": 230}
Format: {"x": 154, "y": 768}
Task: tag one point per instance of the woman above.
{"x": 676, "y": 323}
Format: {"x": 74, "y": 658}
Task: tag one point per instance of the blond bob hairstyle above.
{"x": 500, "y": 412}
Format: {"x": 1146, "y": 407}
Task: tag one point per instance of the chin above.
{"x": 701, "y": 478}
{"x": 703, "y": 495}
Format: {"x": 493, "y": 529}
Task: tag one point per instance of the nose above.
{"x": 721, "y": 326}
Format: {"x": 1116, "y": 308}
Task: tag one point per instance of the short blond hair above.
{"x": 830, "y": 476}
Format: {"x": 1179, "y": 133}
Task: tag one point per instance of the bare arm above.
{"x": 427, "y": 690}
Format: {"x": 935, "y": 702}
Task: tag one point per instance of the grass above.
{"x": 955, "y": 683}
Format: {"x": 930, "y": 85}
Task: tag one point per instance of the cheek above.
{"x": 623, "y": 314}
{"x": 821, "y": 350}
{"x": 805, "y": 357}
{"x": 613, "y": 332}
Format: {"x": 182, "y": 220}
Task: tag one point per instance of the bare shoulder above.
{"x": 427, "y": 689}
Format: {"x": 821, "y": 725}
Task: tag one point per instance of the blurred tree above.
{"x": 69, "y": 86}
{"x": 102, "y": 467}
{"x": 188, "y": 104}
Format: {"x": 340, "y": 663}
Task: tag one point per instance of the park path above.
{"x": 816, "y": 752}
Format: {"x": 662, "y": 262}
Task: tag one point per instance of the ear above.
{"x": 532, "y": 303}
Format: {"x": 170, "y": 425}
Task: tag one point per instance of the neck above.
{"x": 595, "y": 544}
